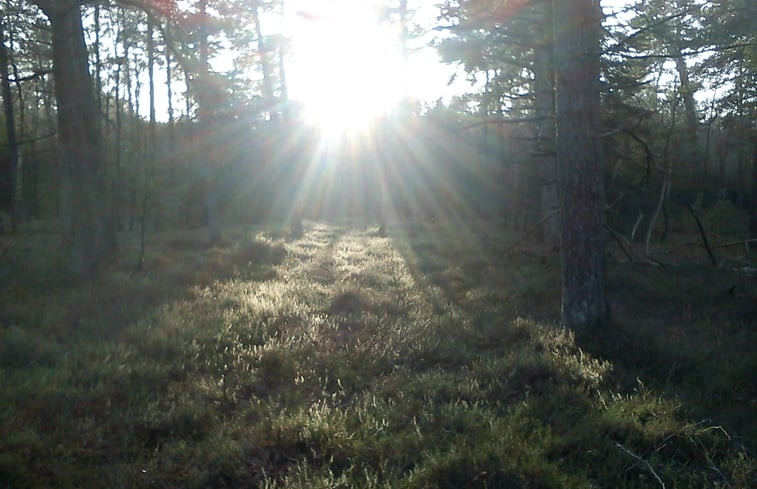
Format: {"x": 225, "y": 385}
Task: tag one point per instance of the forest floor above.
{"x": 429, "y": 358}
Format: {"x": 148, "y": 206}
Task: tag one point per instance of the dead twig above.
{"x": 643, "y": 463}
{"x": 617, "y": 239}
{"x": 531, "y": 230}
{"x": 636, "y": 225}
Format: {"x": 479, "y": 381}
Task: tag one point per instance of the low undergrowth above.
{"x": 346, "y": 359}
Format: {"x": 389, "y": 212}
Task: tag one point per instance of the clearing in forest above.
{"x": 344, "y": 359}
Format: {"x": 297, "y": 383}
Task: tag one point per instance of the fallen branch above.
{"x": 36, "y": 74}
{"x": 617, "y": 239}
{"x": 704, "y": 236}
{"x": 643, "y": 463}
{"x": 531, "y": 230}
{"x": 743, "y": 242}
{"x": 735, "y": 243}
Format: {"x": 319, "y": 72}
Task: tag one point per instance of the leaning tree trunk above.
{"x": 584, "y": 303}
{"x": 81, "y": 158}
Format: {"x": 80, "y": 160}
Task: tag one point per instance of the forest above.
{"x": 378, "y": 243}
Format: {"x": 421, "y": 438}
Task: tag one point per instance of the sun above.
{"x": 347, "y": 65}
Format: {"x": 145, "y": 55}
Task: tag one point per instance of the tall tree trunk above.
{"x": 19, "y": 207}
{"x": 171, "y": 160}
{"x": 148, "y": 162}
{"x": 137, "y": 145}
{"x": 265, "y": 66}
{"x": 188, "y": 95}
{"x": 98, "y": 67}
{"x": 81, "y": 161}
{"x": 687, "y": 94}
{"x": 206, "y": 107}
{"x": 584, "y": 302}
{"x": 115, "y": 181}
{"x": 9, "y": 173}
{"x": 152, "y": 138}
{"x": 690, "y": 149}
{"x": 753, "y": 209}
{"x": 284, "y": 87}
{"x": 544, "y": 107}
{"x": 283, "y": 83}
{"x": 106, "y": 224}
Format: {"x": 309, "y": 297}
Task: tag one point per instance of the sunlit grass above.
{"x": 345, "y": 359}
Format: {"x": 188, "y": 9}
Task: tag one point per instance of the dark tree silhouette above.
{"x": 584, "y": 303}
{"x": 80, "y": 152}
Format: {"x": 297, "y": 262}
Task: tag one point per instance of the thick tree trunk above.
{"x": 584, "y": 303}
{"x": 81, "y": 160}
{"x": 79, "y": 147}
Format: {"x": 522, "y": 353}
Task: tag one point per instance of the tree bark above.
{"x": 584, "y": 302}
{"x": 80, "y": 153}
{"x": 10, "y": 161}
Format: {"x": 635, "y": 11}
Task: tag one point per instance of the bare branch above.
{"x": 644, "y": 29}
{"x": 33, "y": 76}
{"x": 704, "y": 237}
{"x": 531, "y": 230}
{"x": 643, "y": 463}
{"x": 518, "y": 120}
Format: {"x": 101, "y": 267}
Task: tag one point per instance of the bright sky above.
{"x": 346, "y": 65}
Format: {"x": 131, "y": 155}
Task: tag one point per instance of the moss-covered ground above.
{"x": 430, "y": 358}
